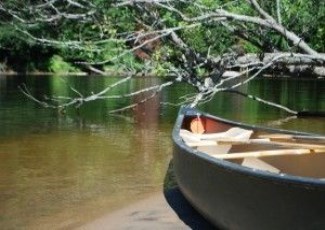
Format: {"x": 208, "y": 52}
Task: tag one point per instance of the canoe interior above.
{"x": 305, "y": 165}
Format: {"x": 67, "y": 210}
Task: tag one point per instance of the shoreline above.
{"x": 228, "y": 73}
{"x": 162, "y": 210}
{"x": 81, "y": 74}
{"x": 150, "y": 213}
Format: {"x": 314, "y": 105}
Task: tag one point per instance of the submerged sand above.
{"x": 163, "y": 210}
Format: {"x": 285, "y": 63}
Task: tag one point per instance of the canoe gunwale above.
{"x": 235, "y": 168}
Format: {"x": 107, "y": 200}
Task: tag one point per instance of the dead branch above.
{"x": 218, "y": 15}
{"x": 61, "y": 102}
{"x": 51, "y": 11}
{"x": 187, "y": 64}
{"x": 258, "y": 99}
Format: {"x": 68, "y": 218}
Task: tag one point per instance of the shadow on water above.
{"x": 180, "y": 205}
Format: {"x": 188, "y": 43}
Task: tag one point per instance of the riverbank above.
{"x": 316, "y": 73}
{"x": 163, "y": 210}
{"x": 107, "y": 73}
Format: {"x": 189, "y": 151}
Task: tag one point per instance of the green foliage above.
{"x": 249, "y": 48}
{"x": 19, "y": 53}
{"x": 11, "y": 39}
{"x": 170, "y": 19}
{"x": 102, "y": 37}
{"x": 307, "y": 19}
{"x": 207, "y": 38}
{"x": 125, "y": 63}
{"x": 59, "y": 66}
{"x": 161, "y": 65}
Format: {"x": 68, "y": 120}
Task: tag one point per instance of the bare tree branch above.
{"x": 255, "y": 98}
{"x": 60, "y": 102}
{"x": 278, "y": 11}
{"x": 204, "y": 71}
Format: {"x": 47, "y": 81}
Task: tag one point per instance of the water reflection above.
{"x": 58, "y": 171}
{"x": 297, "y": 95}
{"x": 43, "y": 175}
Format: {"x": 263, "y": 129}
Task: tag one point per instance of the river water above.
{"x": 60, "y": 169}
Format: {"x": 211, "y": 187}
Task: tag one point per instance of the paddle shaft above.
{"x": 266, "y": 153}
{"x": 279, "y": 136}
{"x": 270, "y": 142}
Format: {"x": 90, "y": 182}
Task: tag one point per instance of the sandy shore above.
{"x": 164, "y": 210}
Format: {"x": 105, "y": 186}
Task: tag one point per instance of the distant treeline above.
{"x": 32, "y": 39}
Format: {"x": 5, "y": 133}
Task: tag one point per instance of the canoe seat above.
{"x": 207, "y": 142}
{"x": 232, "y": 133}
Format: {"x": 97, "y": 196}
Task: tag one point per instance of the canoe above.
{"x": 241, "y": 176}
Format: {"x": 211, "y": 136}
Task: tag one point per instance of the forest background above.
{"x": 101, "y": 36}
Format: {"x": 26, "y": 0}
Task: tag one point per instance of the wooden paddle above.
{"x": 279, "y": 136}
{"x": 266, "y": 153}
{"x": 269, "y": 142}
{"x": 265, "y": 141}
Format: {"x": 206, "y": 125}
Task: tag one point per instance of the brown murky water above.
{"x": 59, "y": 171}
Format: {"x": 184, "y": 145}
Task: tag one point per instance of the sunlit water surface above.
{"x": 60, "y": 169}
